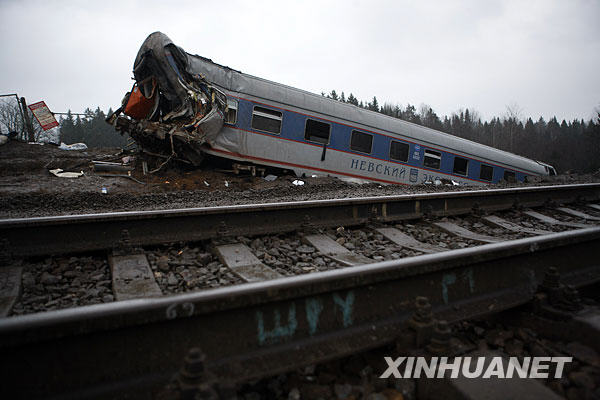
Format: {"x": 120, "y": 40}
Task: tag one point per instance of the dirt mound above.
{"x": 28, "y": 189}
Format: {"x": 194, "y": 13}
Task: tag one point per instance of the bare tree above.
{"x": 11, "y": 119}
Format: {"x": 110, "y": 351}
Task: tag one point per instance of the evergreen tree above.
{"x": 373, "y": 105}
{"x": 352, "y": 99}
{"x": 91, "y": 130}
{"x": 410, "y": 114}
{"x": 569, "y": 145}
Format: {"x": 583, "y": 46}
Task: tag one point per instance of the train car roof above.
{"x": 236, "y": 81}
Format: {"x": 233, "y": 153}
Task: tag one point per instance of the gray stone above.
{"x": 294, "y": 394}
{"x": 163, "y": 263}
{"x": 70, "y": 274}
{"x": 48, "y": 279}
{"x": 204, "y": 258}
{"x": 274, "y": 252}
{"x": 213, "y": 265}
{"x": 186, "y": 275}
{"x": 305, "y": 249}
{"x": 172, "y": 280}
{"x": 28, "y": 279}
{"x": 97, "y": 277}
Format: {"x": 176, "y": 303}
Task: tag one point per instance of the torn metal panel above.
{"x": 186, "y": 112}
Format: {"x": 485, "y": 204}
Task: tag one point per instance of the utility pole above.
{"x": 27, "y": 121}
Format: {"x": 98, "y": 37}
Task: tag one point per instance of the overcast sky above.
{"x": 543, "y": 56}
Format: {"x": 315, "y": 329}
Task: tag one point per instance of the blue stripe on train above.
{"x": 293, "y": 124}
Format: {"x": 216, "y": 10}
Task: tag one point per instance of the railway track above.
{"x": 294, "y": 283}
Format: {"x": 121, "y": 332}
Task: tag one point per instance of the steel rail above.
{"x": 248, "y": 331}
{"x": 79, "y": 233}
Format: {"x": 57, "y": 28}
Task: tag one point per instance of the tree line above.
{"x": 90, "y": 129}
{"x": 567, "y": 145}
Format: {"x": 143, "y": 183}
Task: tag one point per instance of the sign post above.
{"x": 42, "y": 113}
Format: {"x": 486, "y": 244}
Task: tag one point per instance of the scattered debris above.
{"x": 104, "y": 190}
{"x": 226, "y": 184}
{"x": 206, "y": 183}
{"x": 354, "y": 181}
{"x": 104, "y": 166}
{"x": 74, "y": 146}
{"x": 61, "y": 174}
{"x": 270, "y": 178}
{"x": 253, "y": 169}
{"x": 298, "y": 182}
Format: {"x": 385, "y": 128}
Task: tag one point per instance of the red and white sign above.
{"x": 42, "y": 113}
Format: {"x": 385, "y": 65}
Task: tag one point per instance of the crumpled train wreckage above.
{"x": 185, "y": 107}
{"x": 172, "y": 109}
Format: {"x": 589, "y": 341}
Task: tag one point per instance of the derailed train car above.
{"x": 185, "y": 106}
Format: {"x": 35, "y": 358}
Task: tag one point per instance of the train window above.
{"x": 316, "y": 131}
{"x": 432, "y": 159}
{"x": 461, "y": 166}
{"x": 232, "y": 106}
{"x": 361, "y": 141}
{"x": 264, "y": 119}
{"x": 486, "y": 173}
{"x": 398, "y": 151}
{"x": 509, "y": 176}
